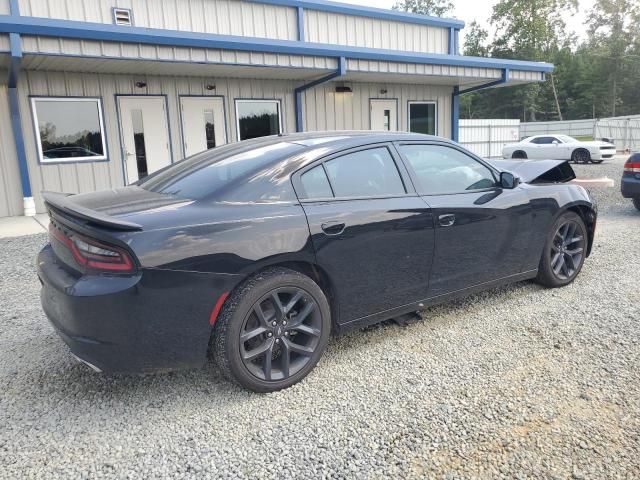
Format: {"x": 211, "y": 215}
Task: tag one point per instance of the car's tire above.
{"x": 520, "y": 155}
{"x": 580, "y": 155}
{"x": 636, "y": 202}
{"x": 564, "y": 251}
{"x": 290, "y": 348}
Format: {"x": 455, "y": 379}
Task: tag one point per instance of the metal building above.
{"x": 97, "y": 93}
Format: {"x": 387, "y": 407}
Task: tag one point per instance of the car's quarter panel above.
{"x": 486, "y": 241}
{"x": 382, "y": 258}
{"x": 226, "y": 238}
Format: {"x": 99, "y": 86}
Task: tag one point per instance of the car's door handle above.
{"x": 447, "y": 219}
{"x": 333, "y": 227}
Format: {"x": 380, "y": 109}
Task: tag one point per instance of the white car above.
{"x": 560, "y": 147}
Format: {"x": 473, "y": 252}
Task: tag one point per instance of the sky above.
{"x": 480, "y": 10}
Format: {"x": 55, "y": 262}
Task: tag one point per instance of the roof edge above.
{"x": 47, "y": 27}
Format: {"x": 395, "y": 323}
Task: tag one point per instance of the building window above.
{"x": 258, "y": 118}
{"x": 69, "y": 129}
{"x": 423, "y": 118}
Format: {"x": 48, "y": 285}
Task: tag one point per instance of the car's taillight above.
{"x": 632, "y": 167}
{"x": 93, "y": 254}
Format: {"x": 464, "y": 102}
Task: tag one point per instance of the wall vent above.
{"x": 122, "y": 16}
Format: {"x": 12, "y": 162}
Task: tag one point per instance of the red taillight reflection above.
{"x": 93, "y": 254}
{"x": 633, "y": 167}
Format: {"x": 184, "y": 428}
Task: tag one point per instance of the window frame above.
{"x": 277, "y": 101}
{"x": 422, "y": 102}
{"x": 405, "y": 177}
{"x": 36, "y": 129}
{"x": 416, "y": 181}
{"x": 556, "y": 139}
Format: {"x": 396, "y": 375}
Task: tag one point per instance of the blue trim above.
{"x": 122, "y": 148}
{"x": 361, "y": 11}
{"x": 105, "y": 32}
{"x": 300, "y": 14}
{"x": 16, "y": 124}
{"x": 14, "y": 7}
{"x": 452, "y": 41}
{"x": 224, "y": 114}
{"x": 504, "y": 79}
{"x": 455, "y": 114}
{"x": 36, "y": 133}
{"x": 15, "y": 62}
{"x": 342, "y": 69}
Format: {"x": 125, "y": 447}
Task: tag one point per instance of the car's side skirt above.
{"x": 421, "y": 304}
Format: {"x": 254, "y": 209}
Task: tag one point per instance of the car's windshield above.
{"x": 206, "y": 173}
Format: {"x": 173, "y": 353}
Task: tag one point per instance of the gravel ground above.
{"x": 516, "y": 382}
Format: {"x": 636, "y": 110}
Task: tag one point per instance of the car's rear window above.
{"x": 219, "y": 170}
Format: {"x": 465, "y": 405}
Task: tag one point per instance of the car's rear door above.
{"x": 481, "y": 230}
{"x": 373, "y": 235}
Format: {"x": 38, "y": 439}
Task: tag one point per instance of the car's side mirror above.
{"x": 508, "y": 180}
{"x": 555, "y": 142}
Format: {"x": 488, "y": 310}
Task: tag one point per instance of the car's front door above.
{"x": 481, "y": 230}
{"x": 372, "y": 234}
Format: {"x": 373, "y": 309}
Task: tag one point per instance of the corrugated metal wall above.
{"x": 226, "y": 17}
{"x": 4, "y": 7}
{"x": 10, "y": 189}
{"x": 333, "y": 28}
{"x": 369, "y": 66}
{"x": 327, "y": 110}
{"x": 84, "y": 177}
{"x": 324, "y": 110}
{"x": 4, "y": 43}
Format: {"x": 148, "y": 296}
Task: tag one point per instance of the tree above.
{"x": 434, "y": 8}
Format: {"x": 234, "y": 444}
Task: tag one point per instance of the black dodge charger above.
{"x": 255, "y": 252}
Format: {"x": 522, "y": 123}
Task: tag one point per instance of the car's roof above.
{"x": 341, "y": 138}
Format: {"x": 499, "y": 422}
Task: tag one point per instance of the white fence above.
{"x": 624, "y": 131}
{"x": 486, "y": 137}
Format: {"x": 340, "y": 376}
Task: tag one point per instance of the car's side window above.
{"x": 441, "y": 170}
{"x": 315, "y": 183}
{"x": 365, "y": 173}
{"x": 544, "y": 140}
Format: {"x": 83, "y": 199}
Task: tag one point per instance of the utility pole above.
{"x": 555, "y": 95}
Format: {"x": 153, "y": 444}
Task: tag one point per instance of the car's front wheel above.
{"x": 272, "y": 330}
{"x": 580, "y": 155}
{"x": 564, "y": 251}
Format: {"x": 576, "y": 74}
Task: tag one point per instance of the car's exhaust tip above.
{"x": 89, "y": 364}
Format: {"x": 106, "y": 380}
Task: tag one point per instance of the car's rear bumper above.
{"x": 157, "y": 320}
{"x": 630, "y": 185}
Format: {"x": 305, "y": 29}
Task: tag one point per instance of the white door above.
{"x": 383, "y": 115}
{"x": 145, "y": 135}
{"x": 203, "y": 125}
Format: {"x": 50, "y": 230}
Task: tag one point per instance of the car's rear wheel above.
{"x": 519, "y": 154}
{"x": 564, "y": 251}
{"x": 272, "y": 330}
{"x": 636, "y": 203}
{"x": 580, "y": 155}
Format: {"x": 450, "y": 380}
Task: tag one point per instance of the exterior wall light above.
{"x": 343, "y": 89}
{"x": 141, "y": 84}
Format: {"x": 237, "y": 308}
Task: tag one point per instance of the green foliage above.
{"x": 434, "y": 8}
{"x": 599, "y": 76}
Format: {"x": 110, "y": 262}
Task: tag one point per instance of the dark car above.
{"x": 630, "y": 184}
{"x": 256, "y": 251}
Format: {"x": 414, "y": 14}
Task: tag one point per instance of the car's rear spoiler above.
{"x": 62, "y": 203}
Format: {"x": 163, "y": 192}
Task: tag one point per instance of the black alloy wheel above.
{"x": 280, "y": 334}
{"x": 567, "y": 250}
{"x": 581, "y": 156}
{"x": 272, "y": 330}
{"x": 564, "y": 252}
